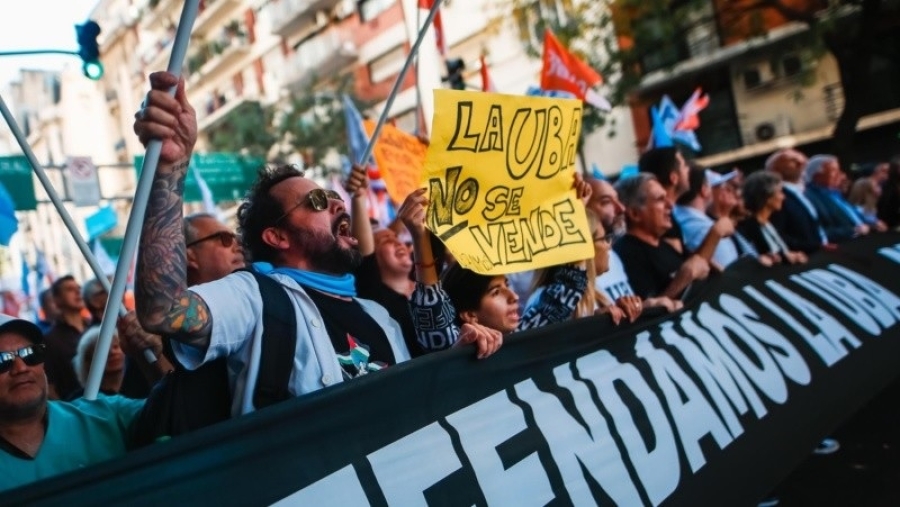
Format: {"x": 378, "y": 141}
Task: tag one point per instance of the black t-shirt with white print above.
{"x": 359, "y": 342}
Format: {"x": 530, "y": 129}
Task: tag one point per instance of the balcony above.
{"x": 213, "y": 15}
{"x": 323, "y": 55}
{"x": 289, "y": 16}
{"x": 157, "y": 57}
{"x": 704, "y": 58}
{"x": 217, "y": 55}
{"x": 217, "y": 108}
{"x": 160, "y": 13}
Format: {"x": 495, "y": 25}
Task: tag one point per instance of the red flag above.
{"x": 565, "y": 72}
{"x": 486, "y": 84}
{"x": 438, "y": 26}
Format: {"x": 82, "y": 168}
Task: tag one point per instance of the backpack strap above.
{"x": 279, "y": 343}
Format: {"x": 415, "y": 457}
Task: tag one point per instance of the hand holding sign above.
{"x": 499, "y": 174}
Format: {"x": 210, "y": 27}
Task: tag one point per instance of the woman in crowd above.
{"x": 763, "y": 195}
{"x": 441, "y": 307}
{"x": 593, "y": 302}
{"x": 113, "y": 373}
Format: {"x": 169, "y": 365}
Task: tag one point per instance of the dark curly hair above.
{"x": 259, "y": 211}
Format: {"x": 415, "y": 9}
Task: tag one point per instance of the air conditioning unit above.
{"x": 757, "y": 75}
{"x": 770, "y": 129}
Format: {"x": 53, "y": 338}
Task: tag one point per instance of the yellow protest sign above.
{"x": 399, "y": 157}
{"x": 499, "y": 174}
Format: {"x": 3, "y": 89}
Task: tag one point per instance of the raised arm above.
{"x": 357, "y": 186}
{"x": 164, "y": 305}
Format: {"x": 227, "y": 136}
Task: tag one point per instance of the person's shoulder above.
{"x": 105, "y": 403}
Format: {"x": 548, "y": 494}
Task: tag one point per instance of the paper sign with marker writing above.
{"x": 399, "y": 157}
{"x": 499, "y": 173}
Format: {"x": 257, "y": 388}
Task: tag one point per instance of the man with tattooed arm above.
{"x": 291, "y": 230}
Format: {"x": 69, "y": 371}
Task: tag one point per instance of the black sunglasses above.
{"x": 317, "y": 199}
{"x": 225, "y": 237}
{"x": 32, "y": 355}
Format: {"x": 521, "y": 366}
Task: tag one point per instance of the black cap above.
{"x": 28, "y": 330}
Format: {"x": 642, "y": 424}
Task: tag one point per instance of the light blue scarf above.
{"x": 343, "y": 285}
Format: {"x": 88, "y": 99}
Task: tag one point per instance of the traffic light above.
{"x": 455, "y": 68}
{"x": 88, "y": 49}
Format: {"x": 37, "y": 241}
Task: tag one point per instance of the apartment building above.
{"x": 60, "y": 113}
{"x": 767, "y": 91}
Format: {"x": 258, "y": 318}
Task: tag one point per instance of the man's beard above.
{"x": 10, "y": 412}
{"x": 325, "y": 254}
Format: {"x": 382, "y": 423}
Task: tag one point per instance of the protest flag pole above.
{"x": 138, "y": 210}
{"x": 418, "y": 81}
{"x": 54, "y": 197}
{"x": 390, "y": 100}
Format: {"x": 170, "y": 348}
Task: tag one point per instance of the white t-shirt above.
{"x": 614, "y": 283}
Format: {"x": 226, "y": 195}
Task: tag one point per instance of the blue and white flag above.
{"x": 9, "y": 224}
{"x": 356, "y": 136}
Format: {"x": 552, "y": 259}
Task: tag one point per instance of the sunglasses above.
{"x": 318, "y": 200}
{"x": 31, "y": 355}
{"x": 225, "y": 237}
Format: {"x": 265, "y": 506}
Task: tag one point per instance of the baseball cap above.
{"x": 715, "y": 179}
{"x": 29, "y": 330}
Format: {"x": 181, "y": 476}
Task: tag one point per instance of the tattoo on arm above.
{"x": 164, "y": 305}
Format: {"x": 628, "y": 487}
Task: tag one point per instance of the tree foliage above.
{"x": 309, "y": 122}
{"x": 627, "y": 39}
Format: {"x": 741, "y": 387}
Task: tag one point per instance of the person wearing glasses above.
{"x": 212, "y": 249}
{"x": 594, "y": 302}
{"x": 292, "y": 230}
{"x": 654, "y": 267}
{"x": 41, "y": 438}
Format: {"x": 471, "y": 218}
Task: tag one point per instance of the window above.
{"x": 387, "y": 65}
{"x": 791, "y": 65}
{"x": 370, "y": 9}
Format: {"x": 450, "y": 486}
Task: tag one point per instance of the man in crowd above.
{"x": 40, "y": 438}
{"x": 697, "y": 225}
{"x": 294, "y": 231}
{"x": 62, "y": 339}
{"x": 840, "y": 219}
{"x": 673, "y": 172}
{"x": 49, "y": 311}
{"x": 654, "y": 267}
{"x": 212, "y": 249}
{"x": 797, "y": 221}
{"x": 94, "y": 296}
{"x": 605, "y": 204}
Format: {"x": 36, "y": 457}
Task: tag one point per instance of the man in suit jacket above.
{"x": 838, "y": 217}
{"x": 797, "y": 221}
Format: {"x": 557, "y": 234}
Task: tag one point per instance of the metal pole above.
{"x": 54, "y": 197}
{"x": 400, "y": 77}
{"x": 418, "y": 88}
{"x": 138, "y": 210}
{"x": 38, "y": 52}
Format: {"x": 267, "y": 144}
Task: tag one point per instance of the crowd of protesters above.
{"x": 365, "y": 298}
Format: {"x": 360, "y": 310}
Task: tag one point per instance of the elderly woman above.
{"x": 763, "y": 195}
{"x": 113, "y": 373}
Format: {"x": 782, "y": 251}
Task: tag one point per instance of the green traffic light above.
{"x": 92, "y": 70}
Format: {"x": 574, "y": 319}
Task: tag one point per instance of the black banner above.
{"x": 711, "y": 406}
